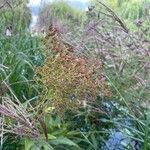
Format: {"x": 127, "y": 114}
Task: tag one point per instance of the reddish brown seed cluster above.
{"x": 67, "y": 75}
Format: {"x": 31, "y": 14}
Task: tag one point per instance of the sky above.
{"x": 34, "y": 3}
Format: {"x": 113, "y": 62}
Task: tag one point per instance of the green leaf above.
{"x": 45, "y": 145}
{"x": 146, "y": 131}
{"x": 28, "y": 144}
{"x": 63, "y": 141}
{"x": 37, "y": 145}
{"x": 94, "y": 140}
{"x": 51, "y": 137}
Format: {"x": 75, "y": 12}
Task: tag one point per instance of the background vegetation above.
{"x": 85, "y": 85}
{"x": 15, "y": 14}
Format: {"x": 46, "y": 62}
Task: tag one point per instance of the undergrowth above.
{"x": 85, "y": 88}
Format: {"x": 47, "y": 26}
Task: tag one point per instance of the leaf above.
{"x": 37, "y": 145}
{"x": 73, "y": 133}
{"x": 146, "y": 131}
{"x": 63, "y": 141}
{"x": 28, "y": 144}
{"x": 51, "y": 137}
{"x": 94, "y": 140}
{"x": 45, "y": 145}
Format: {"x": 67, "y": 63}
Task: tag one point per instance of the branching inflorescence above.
{"x": 70, "y": 80}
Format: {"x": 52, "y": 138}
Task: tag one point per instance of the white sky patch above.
{"x": 33, "y": 3}
{"x": 34, "y": 20}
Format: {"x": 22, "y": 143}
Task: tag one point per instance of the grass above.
{"x": 27, "y": 110}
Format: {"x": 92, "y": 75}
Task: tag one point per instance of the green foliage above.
{"x": 18, "y": 54}
{"x": 36, "y": 145}
{"x": 15, "y": 14}
{"x": 59, "y": 11}
{"x": 58, "y": 137}
{"x": 129, "y": 10}
{"x": 125, "y": 57}
{"x": 136, "y": 127}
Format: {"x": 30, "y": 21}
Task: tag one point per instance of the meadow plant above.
{"x": 69, "y": 79}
